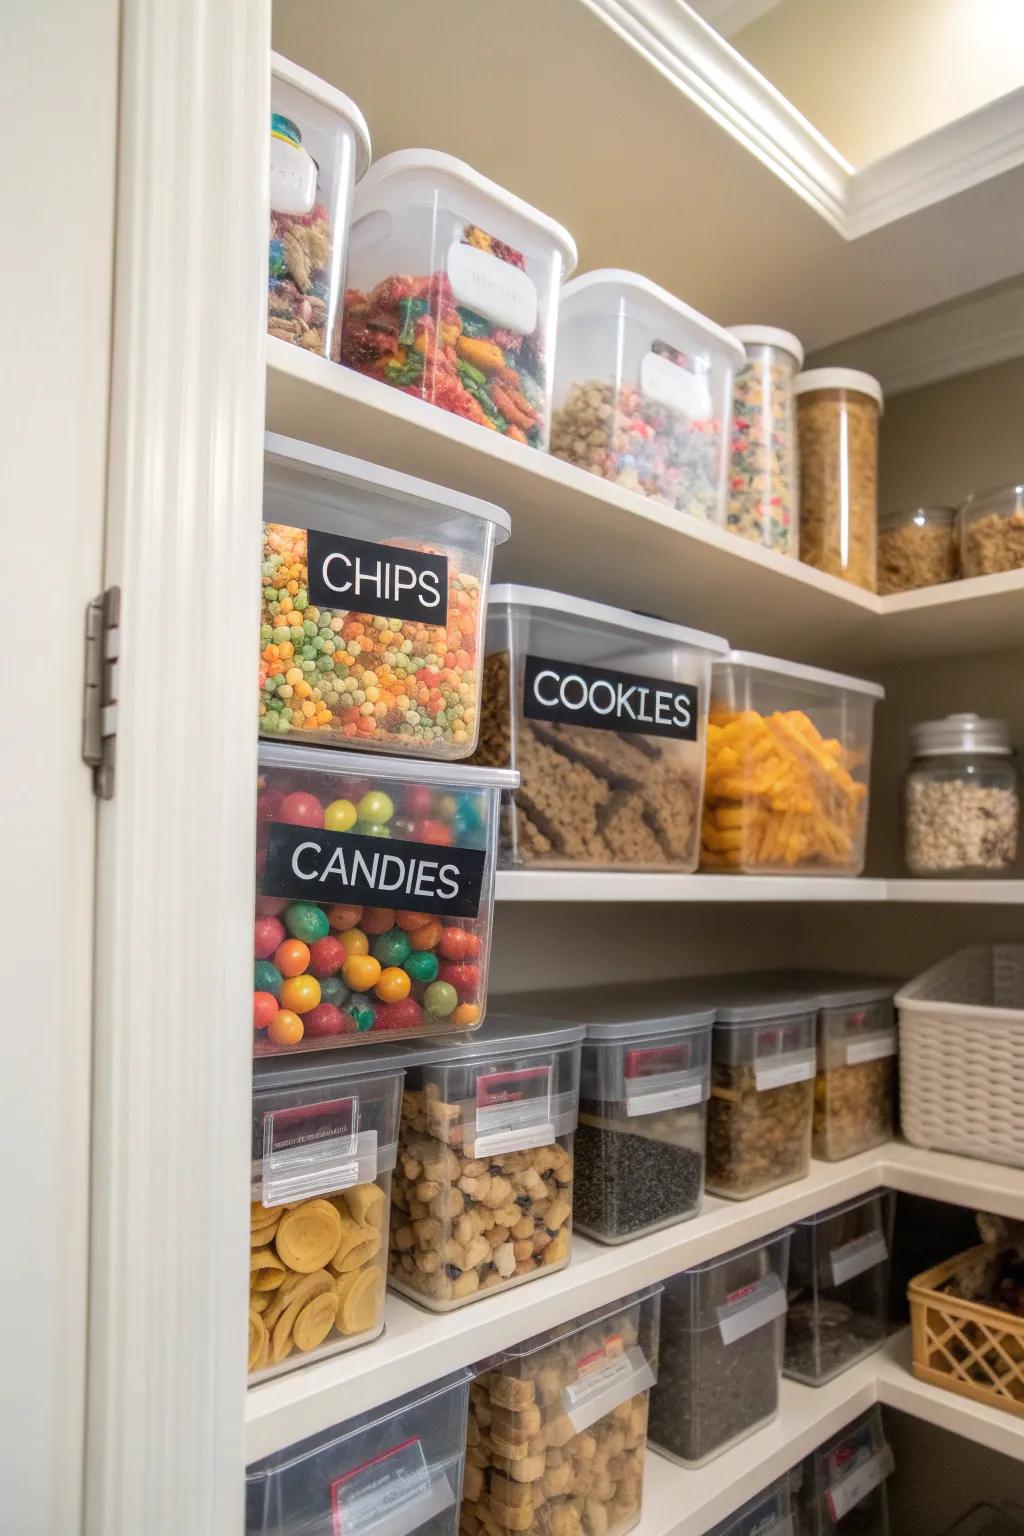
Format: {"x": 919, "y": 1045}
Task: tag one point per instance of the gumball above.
{"x": 268, "y": 935}
{"x": 356, "y": 942}
{"x": 373, "y": 829}
{"x": 402, "y": 827}
{"x": 421, "y": 965}
{"x": 377, "y": 919}
{"x": 300, "y": 810}
{"x": 361, "y": 972}
{"x": 428, "y": 936}
{"x": 466, "y": 1015}
{"x": 464, "y": 978}
{"x": 270, "y": 906}
{"x": 333, "y": 990}
{"x": 412, "y": 920}
{"x": 446, "y": 807}
{"x": 440, "y": 998}
{"x": 393, "y": 984}
{"x": 326, "y": 956}
{"x": 403, "y": 1016}
{"x": 300, "y": 993}
{"x": 465, "y": 832}
{"x": 454, "y": 944}
{"x": 362, "y": 1012}
{"x": 266, "y": 978}
{"x": 431, "y": 831}
{"x": 376, "y": 807}
{"x": 292, "y": 957}
{"x": 264, "y": 1007}
{"x": 419, "y": 799}
{"x": 470, "y": 809}
{"x": 285, "y": 1028}
{"x": 324, "y": 1020}
{"x": 304, "y": 920}
{"x": 340, "y": 816}
{"x": 391, "y": 948}
{"x": 343, "y": 918}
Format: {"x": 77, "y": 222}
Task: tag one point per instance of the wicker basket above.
{"x": 966, "y": 1346}
{"x": 962, "y": 1054}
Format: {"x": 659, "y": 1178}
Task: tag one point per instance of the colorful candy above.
{"x": 762, "y": 502}
{"x": 300, "y": 251}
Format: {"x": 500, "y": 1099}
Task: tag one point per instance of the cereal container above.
{"x": 789, "y": 757}
{"x": 992, "y": 531}
{"x": 324, "y": 1142}
{"x": 558, "y": 1427}
{"x": 763, "y": 502}
{"x": 841, "y": 1490}
{"x": 374, "y": 890}
{"x": 394, "y": 1470}
{"x": 373, "y": 597}
{"x": 838, "y": 411}
{"x": 838, "y": 1287}
{"x": 767, "y": 1514}
{"x": 917, "y": 548}
{"x": 319, "y": 147}
{"x": 643, "y": 390}
{"x": 482, "y": 1199}
{"x": 855, "y": 1085}
{"x": 722, "y": 1327}
{"x": 961, "y": 799}
{"x": 602, "y": 712}
{"x": 453, "y": 292}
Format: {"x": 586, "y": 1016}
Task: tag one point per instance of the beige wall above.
{"x": 873, "y": 75}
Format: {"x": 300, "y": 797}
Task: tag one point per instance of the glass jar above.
{"x": 961, "y": 798}
{"x": 763, "y": 501}
{"x": 992, "y": 531}
{"x": 917, "y": 548}
{"x": 837, "y": 415}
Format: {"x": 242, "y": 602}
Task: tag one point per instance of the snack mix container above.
{"x": 992, "y": 531}
{"x": 961, "y": 799}
{"x": 789, "y": 758}
{"x": 319, "y": 147}
{"x": 324, "y": 1142}
{"x": 838, "y": 411}
{"x": 373, "y": 598}
{"x": 558, "y": 1426}
{"x": 841, "y": 1487}
{"x": 453, "y": 292}
{"x": 768, "y": 1514}
{"x": 643, "y": 391}
{"x": 838, "y": 1287}
{"x": 394, "y": 1470}
{"x": 482, "y": 1199}
{"x": 764, "y": 502}
{"x": 917, "y": 548}
{"x": 855, "y": 1086}
{"x": 374, "y": 892}
{"x": 602, "y": 712}
{"x": 722, "y": 1327}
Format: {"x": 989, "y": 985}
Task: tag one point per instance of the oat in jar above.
{"x": 838, "y": 411}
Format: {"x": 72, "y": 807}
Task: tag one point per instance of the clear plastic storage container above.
{"x": 837, "y": 414}
{"x": 482, "y": 1199}
{"x": 643, "y": 391}
{"x": 602, "y": 712}
{"x": 841, "y": 1490}
{"x": 838, "y": 1287}
{"x": 391, "y": 1471}
{"x": 961, "y": 799}
{"x": 558, "y": 1427}
{"x": 373, "y": 598}
{"x": 453, "y": 292}
{"x": 374, "y": 892}
{"x": 764, "y": 502}
{"x": 769, "y": 1513}
{"x": 855, "y": 1086}
{"x": 319, "y": 147}
{"x": 990, "y": 1519}
{"x": 991, "y": 527}
{"x": 324, "y": 1141}
{"x": 722, "y": 1327}
{"x": 789, "y": 760}
{"x": 917, "y": 548}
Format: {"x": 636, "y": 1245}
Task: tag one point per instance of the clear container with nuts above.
{"x": 992, "y": 531}
{"x": 558, "y": 1427}
{"x": 855, "y": 1086}
{"x": 837, "y": 414}
{"x": 482, "y": 1195}
{"x": 917, "y": 548}
{"x": 763, "y": 502}
{"x": 961, "y": 799}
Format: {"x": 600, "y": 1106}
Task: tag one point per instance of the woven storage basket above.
{"x": 962, "y": 1054}
{"x": 966, "y": 1346}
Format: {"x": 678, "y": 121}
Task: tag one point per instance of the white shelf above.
{"x": 567, "y": 885}
{"x": 991, "y": 893}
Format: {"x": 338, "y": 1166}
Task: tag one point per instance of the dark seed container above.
{"x": 838, "y": 1287}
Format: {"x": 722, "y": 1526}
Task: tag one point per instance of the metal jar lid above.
{"x": 961, "y": 734}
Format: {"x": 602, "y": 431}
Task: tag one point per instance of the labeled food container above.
{"x": 768, "y": 1514}
{"x": 558, "y": 1426}
{"x": 917, "y": 548}
{"x": 483, "y": 1194}
{"x": 990, "y": 1519}
{"x": 395, "y": 1470}
{"x": 453, "y": 292}
{"x": 643, "y": 391}
{"x": 992, "y": 531}
{"x": 374, "y": 590}
{"x": 602, "y": 713}
{"x": 838, "y": 1287}
{"x": 374, "y": 890}
{"x": 961, "y": 799}
{"x": 842, "y": 1488}
{"x": 789, "y": 758}
{"x": 319, "y": 147}
{"x": 837, "y": 415}
{"x": 722, "y": 1327}
{"x": 324, "y": 1142}
{"x": 764, "y": 493}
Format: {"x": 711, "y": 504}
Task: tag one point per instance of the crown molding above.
{"x": 730, "y": 16}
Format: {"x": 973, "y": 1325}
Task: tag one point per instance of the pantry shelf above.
{"x": 595, "y": 885}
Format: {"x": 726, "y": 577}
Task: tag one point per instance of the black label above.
{"x": 306, "y": 865}
{"x": 376, "y": 578}
{"x": 605, "y": 700}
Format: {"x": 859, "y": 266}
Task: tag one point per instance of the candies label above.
{"x": 292, "y": 177}
{"x": 870, "y": 1050}
{"x": 604, "y": 1382}
{"x": 348, "y": 867}
{"x": 606, "y": 700}
{"x": 660, "y": 1077}
{"x": 678, "y": 389}
{"x": 513, "y": 1111}
{"x": 751, "y": 1308}
{"x": 380, "y": 579}
{"x": 851, "y": 1489}
{"x": 314, "y": 1149}
{"x": 492, "y": 288}
{"x": 393, "y": 1494}
{"x": 860, "y": 1254}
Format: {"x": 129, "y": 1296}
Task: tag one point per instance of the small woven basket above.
{"x": 966, "y": 1346}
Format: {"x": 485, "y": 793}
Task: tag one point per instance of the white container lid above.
{"x": 301, "y": 759}
{"x": 447, "y": 167}
{"x": 781, "y": 668}
{"x": 589, "y": 283}
{"x": 959, "y": 734}
{"x": 563, "y": 604}
{"x": 839, "y": 378}
{"x": 311, "y": 85}
{"x": 770, "y": 336}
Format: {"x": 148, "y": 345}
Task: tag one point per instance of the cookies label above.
{"x": 660, "y": 1077}
{"x": 683, "y": 391}
{"x": 314, "y": 1149}
{"x": 602, "y": 699}
{"x": 604, "y": 1381}
{"x": 492, "y": 288}
{"x": 855, "y": 1257}
{"x": 380, "y": 579}
{"x": 304, "y": 864}
{"x": 856, "y": 1470}
{"x": 513, "y": 1111}
{"x": 392, "y": 1494}
{"x": 751, "y": 1307}
{"x": 872, "y": 1049}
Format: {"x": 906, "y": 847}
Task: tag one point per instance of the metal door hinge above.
{"x": 99, "y": 702}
